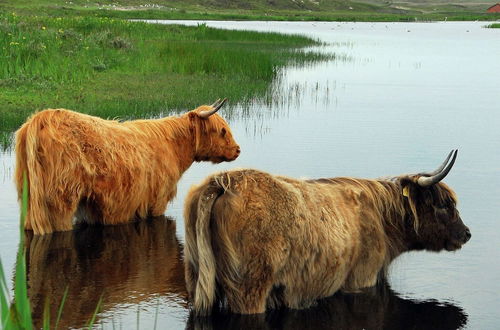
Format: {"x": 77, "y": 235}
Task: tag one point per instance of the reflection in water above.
{"x": 132, "y": 263}
{"x": 376, "y": 308}
{"x": 125, "y": 264}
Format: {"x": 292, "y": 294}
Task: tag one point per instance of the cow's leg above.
{"x": 249, "y": 296}
{"x": 61, "y": 211}
{"x": 191, "y": 276}
{"x": 159, "y": 205}
{"x": 363, "y": 275}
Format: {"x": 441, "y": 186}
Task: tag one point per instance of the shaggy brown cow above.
{"x": 109, "y": 171}
{"x": 257, "y": 241}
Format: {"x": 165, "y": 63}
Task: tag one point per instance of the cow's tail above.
{"x": 199, "y": 236}
{"x": 28, "y": 166}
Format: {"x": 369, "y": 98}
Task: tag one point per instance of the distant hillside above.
{"x": 308, "y": 5}
{"x": 318, "y": 10}
{"x": 436, "y": 5}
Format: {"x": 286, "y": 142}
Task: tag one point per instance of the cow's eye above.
{"x": 223, "y": 132}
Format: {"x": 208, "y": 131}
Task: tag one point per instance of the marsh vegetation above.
{"x": 116, "y": 68}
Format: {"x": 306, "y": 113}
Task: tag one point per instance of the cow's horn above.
{"x": 216, "y": 106}
{"x": 440, "y": 173}
{"x": 440, "y": 168}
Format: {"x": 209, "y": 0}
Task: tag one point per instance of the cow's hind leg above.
{"x": 61, "y": 211}
{"x": 250, "y": 294}
{"x": 191, "y": 276}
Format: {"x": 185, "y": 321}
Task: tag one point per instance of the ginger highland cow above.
{"x": 255, "y": 241}
{"x": 110, "y": 172}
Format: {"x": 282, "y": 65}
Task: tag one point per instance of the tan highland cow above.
{"x": 110, "y": 172}
{"x": 255, "y": 241}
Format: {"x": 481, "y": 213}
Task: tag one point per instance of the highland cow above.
{"x": 109, "y": 172}
{"x": 255, "y": 241}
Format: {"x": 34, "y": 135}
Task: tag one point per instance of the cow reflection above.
{"x": 375, "y": 308}
{"x": 125, "y": 264}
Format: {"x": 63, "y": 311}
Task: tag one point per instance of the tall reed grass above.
{"x": 112, "y": 67}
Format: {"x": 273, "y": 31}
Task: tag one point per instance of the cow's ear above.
{"x": 406, "y": 191}
{"x": 405, "y": 186}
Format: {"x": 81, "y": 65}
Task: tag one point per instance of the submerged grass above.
{"x": 6, "y": 140}
{"x": 112, "y": 68}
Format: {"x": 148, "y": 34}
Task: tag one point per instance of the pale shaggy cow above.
{"x": 110, "y": 172}
{"x": 256, "y": 241}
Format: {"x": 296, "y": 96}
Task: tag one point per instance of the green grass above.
{"x": 110, "y": 67}
{"x": 493, "y": 26}
{"x": 289, "y": 10}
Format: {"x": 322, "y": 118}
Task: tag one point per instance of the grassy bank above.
{"x": 343, "y": 15}
{"x": 493, "y": 26}
{"x": 289, "y": 10}
{"x": 112, "y": 68}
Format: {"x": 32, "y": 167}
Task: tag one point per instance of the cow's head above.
{"x": 213, "y": 138}
{"x": 436, "y": 222}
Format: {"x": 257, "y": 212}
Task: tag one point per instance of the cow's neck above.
{"x": 398, "y": 220}
{"x": 180, "y": 138}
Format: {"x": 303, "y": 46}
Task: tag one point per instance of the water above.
{"x": 402, "y": 98}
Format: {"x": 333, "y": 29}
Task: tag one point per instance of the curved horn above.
{"x": 215, "y": 103}
{"x": 440, "y": 168}
{"x": 216, "y": 106}
{"x": 442, "y": 171}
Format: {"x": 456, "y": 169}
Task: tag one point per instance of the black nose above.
{"x": 467, "y": 234}
{"x": 238, "y": 150}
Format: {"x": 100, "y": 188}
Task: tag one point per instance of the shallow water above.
{"x": 406, "y": 96}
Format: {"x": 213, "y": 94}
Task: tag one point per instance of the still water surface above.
{"x": 399, "y": 99}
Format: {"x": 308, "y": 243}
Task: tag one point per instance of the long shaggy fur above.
{"x": 110, "y": 171}
{"x": 256, "y": 241}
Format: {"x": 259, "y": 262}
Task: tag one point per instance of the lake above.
{"x": 399, "y": 97}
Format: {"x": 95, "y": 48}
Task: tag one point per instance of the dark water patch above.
{"x": 376, "y": 308}
{"x": 126, "y": 264}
